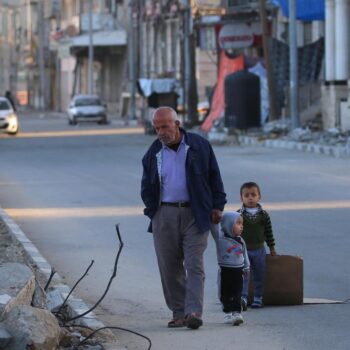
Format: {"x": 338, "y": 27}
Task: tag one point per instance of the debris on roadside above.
{"x": 25, "y": 319}
{"x": 310, "y": 131}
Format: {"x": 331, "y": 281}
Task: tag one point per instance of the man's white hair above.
{"x": 163, "y": 109}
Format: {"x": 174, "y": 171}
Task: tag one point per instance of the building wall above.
{"x": 160, "y": 48}
{"x": 336, "y": 91}
{"x": 8, "y": 48}
{"x": 207, "y": 72}
{"x": 109, "y": 62}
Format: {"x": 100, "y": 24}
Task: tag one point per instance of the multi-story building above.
{"x": 44, "y": 47}
{"x": 25, "y": 58}
{"x": 70, "y": 39}
{"x": 13, "y": 41}
{"x": 235, "y": 27}
{"x": 164, "y": 42}
{"x": 336, "y": 89}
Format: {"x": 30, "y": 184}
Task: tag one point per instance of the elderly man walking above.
{"x": 183, "y": 193}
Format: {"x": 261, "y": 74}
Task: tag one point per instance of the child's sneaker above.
{"x": 237, "y": 319}
{"x": 244, "y": 304}
{"x": 228, "y": 318}
{"x": 257, "y": 303}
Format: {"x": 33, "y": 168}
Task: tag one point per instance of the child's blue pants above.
{"x": 257, "y": 260}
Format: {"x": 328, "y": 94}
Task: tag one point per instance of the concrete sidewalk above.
{"x": 310, "y": 147}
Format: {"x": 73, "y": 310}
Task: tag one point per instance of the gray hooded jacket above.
{"x": 231, "y": 251}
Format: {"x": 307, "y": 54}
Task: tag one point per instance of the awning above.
{"x": 159, "y": 86}
{"x": 105, "y": 39}
{"x": 307, "y": 10}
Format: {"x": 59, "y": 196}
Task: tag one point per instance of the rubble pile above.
{"x": 310, "y": 132}
{"x": 28, "y": 318}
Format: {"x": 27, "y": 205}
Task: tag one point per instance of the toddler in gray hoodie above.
{"x": 234, "y": 263}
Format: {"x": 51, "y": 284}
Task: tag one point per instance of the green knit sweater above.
{"x": 257, "y": 229}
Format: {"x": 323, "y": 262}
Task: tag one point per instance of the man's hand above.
{"x": 273, "y": 252}
{"x": 216, "y": 216}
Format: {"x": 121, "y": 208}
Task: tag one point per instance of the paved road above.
{"x": 67, "y": 187}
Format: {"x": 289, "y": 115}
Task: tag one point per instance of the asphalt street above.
{"x": 67, "y": 187}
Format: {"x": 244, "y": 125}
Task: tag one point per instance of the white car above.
{"x": 86, "y": 108}
{"x": 8, "y": 118}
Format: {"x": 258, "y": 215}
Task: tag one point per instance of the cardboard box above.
{"x": 283, "y": 281}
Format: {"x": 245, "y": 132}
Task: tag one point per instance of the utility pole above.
{"x": 58, "y": 62}
{"x": 190, "y": 88}
{"x": 41, "y": 57}
{"x": 267, "y": 57}
{"x": 91, "y": 52}
{"x": 132, "y": 63}
{"x": 293, "y": 65}
{"x": 15, "y": 52}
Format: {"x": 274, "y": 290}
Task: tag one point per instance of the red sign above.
{"x": 238, "y": 36}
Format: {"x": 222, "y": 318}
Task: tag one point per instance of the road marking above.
{"x": 308, "y": 205}
{"x": 138, "y": 210}
{"x": 40, "y": 134}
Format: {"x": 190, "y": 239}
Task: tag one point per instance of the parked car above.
{"x": 8, "y": 117}
{"x": 86, "y": 108}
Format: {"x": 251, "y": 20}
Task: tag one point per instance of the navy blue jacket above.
{"x": 203, "y": 177}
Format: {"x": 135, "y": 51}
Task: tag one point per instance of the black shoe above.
{"x": 177, "y": 323}
{"x": 193, "y": 321}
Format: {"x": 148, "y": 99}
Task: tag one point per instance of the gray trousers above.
{"x": 179, "y": 247}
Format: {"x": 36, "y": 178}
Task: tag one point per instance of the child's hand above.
{"x": 245, "y": 273}
{"x": 273, "y": 252}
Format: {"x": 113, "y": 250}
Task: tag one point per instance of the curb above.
{"x": 76, "y": 306}
{"x": 334, "y": 151}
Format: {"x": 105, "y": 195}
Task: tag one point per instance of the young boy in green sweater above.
{"x": 257, "y": 230}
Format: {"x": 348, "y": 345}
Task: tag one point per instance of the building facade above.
{"x": 336, "y": 89}
{"x": 71, "y": 35}
{"x": 16, "y": 47}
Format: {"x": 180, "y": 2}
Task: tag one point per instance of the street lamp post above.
{"x": 190, "y": 96}
{"x": 132, "y": 62}
{"x": 91, "y": 52}
{"x": 41, "y": 53}
{"x": 268, "y": 65}
{"x": 293, "y": 61}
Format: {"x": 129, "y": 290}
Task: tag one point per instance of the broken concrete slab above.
{"x": 54, "y": 300}
{"x": 31, "y": 326}
{"x": 5, "y": 338}
{"x": 17, "y": 286}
